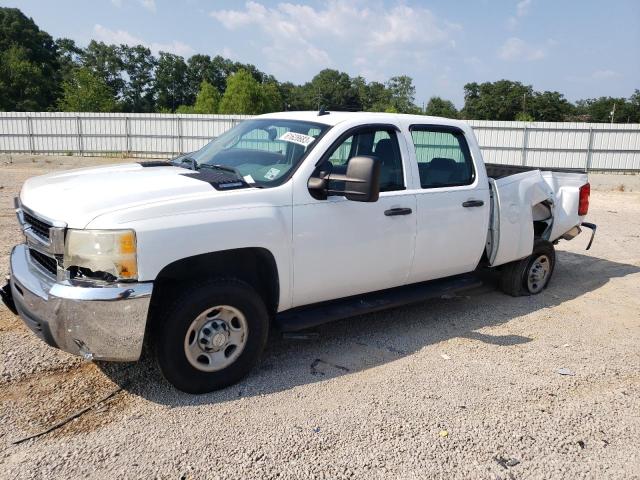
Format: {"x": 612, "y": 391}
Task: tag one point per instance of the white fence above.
{"x": 545, "y": 144}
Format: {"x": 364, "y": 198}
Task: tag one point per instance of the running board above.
{"x": 317, "y": 314}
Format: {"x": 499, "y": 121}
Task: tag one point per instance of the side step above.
{"x": 313, "y": 315}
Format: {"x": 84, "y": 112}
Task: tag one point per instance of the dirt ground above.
{"x": 462, "y": 387}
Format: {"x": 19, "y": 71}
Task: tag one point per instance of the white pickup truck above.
{"x": 287, "y": 220}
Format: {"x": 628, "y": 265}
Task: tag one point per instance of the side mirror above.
{"x": 361, "y": 182}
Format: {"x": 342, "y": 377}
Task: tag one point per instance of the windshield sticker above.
{"x": 299, "y": 138}
{"x": 271, "y": 174}
{"x": 249, "y": 179}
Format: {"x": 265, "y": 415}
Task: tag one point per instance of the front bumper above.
{"x": 102, "y": 323}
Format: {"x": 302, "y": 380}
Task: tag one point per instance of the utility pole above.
{"x": 613, "y": 113}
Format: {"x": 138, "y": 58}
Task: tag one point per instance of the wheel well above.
{"x": 255, "y": 266}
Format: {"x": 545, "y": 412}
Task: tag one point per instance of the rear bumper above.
{"x": 102, "y": 323}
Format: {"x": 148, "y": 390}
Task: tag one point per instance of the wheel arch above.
{"x": 255, "y": 266}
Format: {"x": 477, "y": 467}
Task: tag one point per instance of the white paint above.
{"x": 323, "y": 249}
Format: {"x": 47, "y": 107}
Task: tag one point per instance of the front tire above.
{"x": 530, "y": 275}
{"x": 211, "y": 336}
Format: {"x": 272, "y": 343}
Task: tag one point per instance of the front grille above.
{"x": 50, "y": 264}
{"x": 38, "y": 226}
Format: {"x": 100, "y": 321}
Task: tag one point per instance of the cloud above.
{"x": 604, "y": 74}
{"x": 517, "y": 49}
{"x": 522, "y": 10}
{"x": 148, "y": 4}
{"x": 298, "y": 36}
{"x": 123, "y": 37}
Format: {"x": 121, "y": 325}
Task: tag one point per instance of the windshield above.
{"x": 262, "y": 151}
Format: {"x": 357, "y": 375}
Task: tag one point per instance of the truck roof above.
{"x": 335, "y": 117}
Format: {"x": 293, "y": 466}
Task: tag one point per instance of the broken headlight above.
{"x": 104, "y": 255}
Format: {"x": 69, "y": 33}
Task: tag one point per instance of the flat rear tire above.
{"x": 530, "y": 275}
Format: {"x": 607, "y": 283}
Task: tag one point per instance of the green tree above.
{"x": 438, "y": 107}
{"x": 272, "y": 98}
{"x": 549, "y": 107}
{"x": 29, "y": 66}
{"x": 524, "y": 117}
{"x": 243, "y": 95}
{"x": 139, "y": 65}
{"x": 105, "y": 61}
{"x": 600, "y": 110}
{"x": 199, "y": 69}
{"x": 333, "y": 90}
{"x": 171, "y": 84}
{"x": 85, "y": 91}
{"x": 69, "y": 57}
{"x": 402, "y": 94}
{"x": 501, "y": 100}
{"x": 208, "y": 99}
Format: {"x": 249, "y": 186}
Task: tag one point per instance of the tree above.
{"x": 402, "y": 94}
{"x": 139, "y": 65}
{"x": 601, "y": 109}
{"x": 171, "y": 84}
{"x": 69, "y": 57}
{"x": 199, "y": 70}
{"x": 29, "y": 66}
{"x": 85, "y": 91}
{"x": 243, "y": 95}
{"x": 208, "y": 99}
{"x": 501, "y": 100}
{"x": 272, "y": 98}
{"x": 549, "y": 107}
{"x": 333, "y": 90}
{"x": 438, "y": 107}
{"x": 105, "y": 61}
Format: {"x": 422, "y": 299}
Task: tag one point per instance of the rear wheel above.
{"x": 530, "y": 275}
{"x": 211, "y": 336}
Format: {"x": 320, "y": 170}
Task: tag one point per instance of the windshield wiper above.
{"x": 226, "y": 168}
{"x": 186, "y": 162}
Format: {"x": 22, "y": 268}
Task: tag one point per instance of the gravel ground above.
{"x": 463, "y": 387}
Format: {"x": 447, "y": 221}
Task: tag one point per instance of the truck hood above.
{"x": 78, "y": 196}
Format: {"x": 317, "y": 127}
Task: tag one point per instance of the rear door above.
{"x": 452, "y": 203}
{"x": 343, "y": 247}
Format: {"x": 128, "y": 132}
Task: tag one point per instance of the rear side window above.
{"x": 443, "y": 157}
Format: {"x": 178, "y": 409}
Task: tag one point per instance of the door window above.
{"x": 378, "y": 143}
{"x": 443, "y": 157}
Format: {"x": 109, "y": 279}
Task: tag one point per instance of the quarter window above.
{"x": 443, "y": 157}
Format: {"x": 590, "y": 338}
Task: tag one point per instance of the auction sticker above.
{"x": 299, "y": 138}
{"x": 271, "y": 174}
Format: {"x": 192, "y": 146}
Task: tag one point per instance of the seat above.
{"x": 390, "y": 170}
{"x": 439, "y": 172}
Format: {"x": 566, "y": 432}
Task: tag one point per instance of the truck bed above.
{"x": 496, "y": 170}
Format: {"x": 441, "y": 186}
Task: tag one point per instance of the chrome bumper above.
{"x": 102, "y": 323}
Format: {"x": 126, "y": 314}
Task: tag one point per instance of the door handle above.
{"x": 473, "y": 203}
{"x": 397, "y": 211}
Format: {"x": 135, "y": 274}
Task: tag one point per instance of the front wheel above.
{"x": 530, "y": 275}
{"x": 211, "y": 336}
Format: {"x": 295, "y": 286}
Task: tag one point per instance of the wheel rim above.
{"x": 538, "y": 274}
{"x": 216, "y": 338}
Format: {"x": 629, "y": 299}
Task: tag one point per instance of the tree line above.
{"x": 38, "y": 73}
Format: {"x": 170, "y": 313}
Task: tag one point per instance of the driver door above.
{"x": 343, "y": 247}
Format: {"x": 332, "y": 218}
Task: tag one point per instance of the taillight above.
{"x": 583, "y": 204}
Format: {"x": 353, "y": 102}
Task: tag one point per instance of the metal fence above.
{"x": 545, "y": 144}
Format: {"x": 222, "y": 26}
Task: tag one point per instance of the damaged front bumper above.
{"x": 102, "y": 323}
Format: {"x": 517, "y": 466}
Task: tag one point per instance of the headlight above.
{"x": 108, "y": 255}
